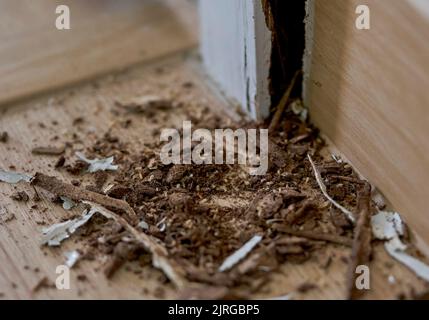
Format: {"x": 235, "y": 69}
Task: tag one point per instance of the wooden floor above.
{"x": 148, "y": 36}
{"x": 25, "y": 263}
{"x": 105, "y": 35}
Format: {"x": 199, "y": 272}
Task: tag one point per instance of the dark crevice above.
{"x": 285, "y": 19}
{"x": 247, "y": 78}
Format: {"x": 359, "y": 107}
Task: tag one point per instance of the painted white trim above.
{"x": 308, "y": 52}
{"x": 236, "y": 50}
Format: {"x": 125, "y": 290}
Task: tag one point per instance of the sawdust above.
{"x": 196, "y": 216}
{"x": 199, "y": 216}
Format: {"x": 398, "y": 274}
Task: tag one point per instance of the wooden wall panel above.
{"x": 368, "y": 90}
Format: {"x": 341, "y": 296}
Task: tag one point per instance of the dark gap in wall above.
{"x": 285, "y": 19}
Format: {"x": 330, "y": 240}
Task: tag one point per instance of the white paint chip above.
{"x": 240, "y": 254}
{"x": 143, "y": 224}
{"x": 13, "y": 177}
{"x": 67, "y": 203}
{"x": 57, "y": 233}
{"x": 337, "y": 158}
{"x": 98, "y": 164}
{"x": 419, "y": 268}
{"x": 298, "y": 109}
{"x": 391, "y": 279}
{"x": 389, "y": 226}
{"x": 72, "y": 257}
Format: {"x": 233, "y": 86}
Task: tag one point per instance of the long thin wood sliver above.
{"x": 76, "y": 194}
{"x": 315, "y": 236}
{"x": 160, "y": 258}
{"x": 282, "y": 104}
{"x": 361, "y": 250}
{"x": 349, "y": 179}
{"x": 322, "y": 187}
{"x": 96, "y": 201}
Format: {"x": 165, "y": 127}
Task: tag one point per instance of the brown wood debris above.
{"x": 148, "y": 105}
{"x": 314, "y": 235}
{"x": 4, "y": 137}
{"x": 20, "y": 196}
{"x": 186, "y": 220}
{"x": 160, "y": 257}
{"x": 48, "y": 151}
{"x": 362, "y": 249}
{"x": 283, "y": 103}
{"x": 61, "y": 189}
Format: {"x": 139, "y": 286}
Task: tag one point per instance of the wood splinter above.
{"x": 48, "y": 151}
{"x": 76, "y": 194}
{"x": 283, "y": 104}
{"x": 361, "y": 250}
{"x": 160, "y": 259}
{"x": 322, "y": 187}
{"x": 314, "y": 235}
{"x": 98, "y": 202}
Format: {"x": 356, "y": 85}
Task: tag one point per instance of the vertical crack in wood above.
{"x": 247, "y": 78}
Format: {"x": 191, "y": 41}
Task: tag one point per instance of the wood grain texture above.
{"x": 368, "y": 92}
{"x": 105, "y": 35}
{"x": 24, "y": 262}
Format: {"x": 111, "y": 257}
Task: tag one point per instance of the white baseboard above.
{"x": 236, "y": 50}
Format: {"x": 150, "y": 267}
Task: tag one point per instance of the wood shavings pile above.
{"x": 213, "y": 230}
